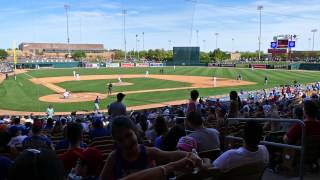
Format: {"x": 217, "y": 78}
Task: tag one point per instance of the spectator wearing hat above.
{"x": 98, "y": 130}
{"x": 117, "y": 108}
{"x": 187, "y": 144}
{"x": 88, "y": 166}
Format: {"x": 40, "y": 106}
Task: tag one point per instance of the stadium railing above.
{"x": 301, "y": 148}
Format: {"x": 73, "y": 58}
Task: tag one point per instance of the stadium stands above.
{"x": 279, "y": 103}
{"x": 5, "y": 67}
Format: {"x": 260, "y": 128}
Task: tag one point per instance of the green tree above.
{"x": 118, "y": 54}
{"x": 3, "y": 54}
{"x": 204, "y": 57}
{"x": 218, "y": 55}
{"x": 79, "y": 55}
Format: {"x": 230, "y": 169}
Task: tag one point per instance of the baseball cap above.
{"x": 187, "y": 143}
{"x": 120, "y": 95}
{"x": 92, "y": 157}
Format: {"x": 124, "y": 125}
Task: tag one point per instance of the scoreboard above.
{"x": 283, "y": 43}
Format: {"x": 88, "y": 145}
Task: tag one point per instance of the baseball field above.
{"x": 35, "y": 90}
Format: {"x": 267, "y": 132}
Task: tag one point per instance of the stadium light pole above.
{"x": 216, "y": 34}
{"x": 194, "y": 2}
{"x": 309, "y": 44}
{"x": 204, "y": 45}
{"x": 260, "y": 7}
{"x": 232, "y": 45}
{"x": 66, "y": 8}
{"x": 137, "y": 43}
{"x": 143, "y": 41}
{"x": 197, "y": 31}
{"x": 124, "y": 13}
{"x": 313, "y": 34}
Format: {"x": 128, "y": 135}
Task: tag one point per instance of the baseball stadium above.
{"x": 161, "y": 90}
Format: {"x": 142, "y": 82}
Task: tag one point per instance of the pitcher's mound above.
{"x": 74, "y": 97}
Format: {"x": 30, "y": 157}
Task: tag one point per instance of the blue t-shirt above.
{"x": 36, "y": 142}
{"x": 5, "y": 164}
{"x": 64, "y": 144}
{"x": 158, "y": 142}
{"x": 99, "y": 132}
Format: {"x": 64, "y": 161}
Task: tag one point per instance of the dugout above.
{"x": 186, "y": 56}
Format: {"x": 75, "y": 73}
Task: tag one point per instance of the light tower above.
{"x": 194, "y": 2}
{"x": 124, "y": 13}
{"x": 67, "y": 8}
{"x": 216, "y": 34}
{"x": 313, "y": 34}
{"x": 260, "y": 7}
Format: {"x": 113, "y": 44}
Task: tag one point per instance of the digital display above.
{"x": 283, "y": 43}
{"x": 277, "y": 51}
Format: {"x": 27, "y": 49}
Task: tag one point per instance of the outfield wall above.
{"x": 305, "y": 66}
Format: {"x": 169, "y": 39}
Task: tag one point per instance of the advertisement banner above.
{"x": 127, "y": 64}
{"x": 259, "y": 66}
{"x": 227, "y": 65}
{"x": 142, "y": 64}
{"x": 112, "y": 65}
{"x": 156, "y": 64}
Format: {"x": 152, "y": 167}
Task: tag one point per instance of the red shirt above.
{"x": 70, "y": 158}
{"x": 312, "y": 129}
{"x": 192, "y": 106}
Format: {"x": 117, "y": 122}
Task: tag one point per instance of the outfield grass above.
{"x": 22, "y": 95}
{"x": 100, "y": 86}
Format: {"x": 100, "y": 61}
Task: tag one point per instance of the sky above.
{"x": 162, "y": 21}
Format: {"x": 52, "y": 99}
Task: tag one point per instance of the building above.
{"x": 235, "y": 56}
{"x": 61, "y": 50}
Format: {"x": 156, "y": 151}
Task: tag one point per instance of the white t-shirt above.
{"x": 16, "y": 141}
{"x": 50, "y": 112}
{"x": 241, "y": 156}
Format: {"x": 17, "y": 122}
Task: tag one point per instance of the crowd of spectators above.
{"x": 155, "y": 143}
{"x": 5, "y": 67}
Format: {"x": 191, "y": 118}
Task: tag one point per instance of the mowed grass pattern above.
{"x": 22, "y": 95}
{"x": 100, "y": 86}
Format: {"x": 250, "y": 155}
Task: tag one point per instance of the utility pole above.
{"x": 67, "y": 7}
{"x": 260, "y": 7}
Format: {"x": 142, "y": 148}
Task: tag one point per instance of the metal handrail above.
{"x": 301, "y": 148}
